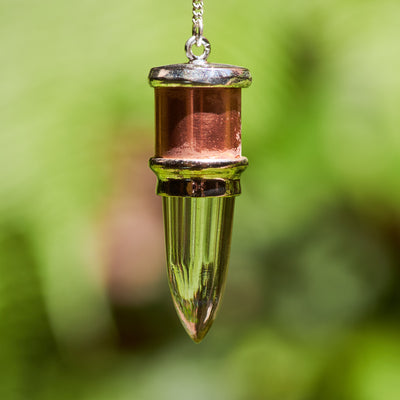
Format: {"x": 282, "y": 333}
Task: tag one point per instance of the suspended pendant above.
{"x": 198, "y": 163}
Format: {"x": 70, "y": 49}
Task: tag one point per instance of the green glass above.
{"x": 198, "y": 236}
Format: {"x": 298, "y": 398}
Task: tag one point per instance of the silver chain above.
{"x": 197, "y": 35}
{"x": 198, "y": 10}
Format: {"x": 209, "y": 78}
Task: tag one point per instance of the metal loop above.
{"x": 203, "y": 42}
{"x": 198, "y": 31}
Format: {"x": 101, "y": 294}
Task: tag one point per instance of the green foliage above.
{"x": 312, "y": 305}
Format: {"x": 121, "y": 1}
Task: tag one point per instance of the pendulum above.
{"x": 198, "y": 164}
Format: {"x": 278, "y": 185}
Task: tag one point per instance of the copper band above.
{"x": 198, "y": 123}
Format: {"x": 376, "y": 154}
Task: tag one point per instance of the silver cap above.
{"x": 200, "y": 75}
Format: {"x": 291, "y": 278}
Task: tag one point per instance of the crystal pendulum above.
{"x": 198, "y": 163}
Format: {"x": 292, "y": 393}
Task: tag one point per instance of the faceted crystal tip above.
{"x": 197, "y": 315}
{"x": 198, "y": 234}
{"x": 196, "y": 320}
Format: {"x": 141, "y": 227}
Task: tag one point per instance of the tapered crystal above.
{"x": 198, "y": 235}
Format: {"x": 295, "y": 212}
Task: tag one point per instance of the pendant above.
{"x": 198, "y": 164}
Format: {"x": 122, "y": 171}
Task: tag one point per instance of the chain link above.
{"x": 197, "y": 34}
{"x": 198, "y": 10}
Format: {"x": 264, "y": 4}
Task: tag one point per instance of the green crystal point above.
{"x": 198, "y": 235}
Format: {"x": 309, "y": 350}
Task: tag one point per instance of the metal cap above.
{"x": 200, "y": 75}
{"x": 198, "y": 178}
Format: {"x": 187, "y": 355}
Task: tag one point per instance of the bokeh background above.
{"x": 312, "y": 304}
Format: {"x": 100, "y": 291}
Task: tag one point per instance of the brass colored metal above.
{"x": 198, "y": 178}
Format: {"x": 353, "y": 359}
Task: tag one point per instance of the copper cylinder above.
{"x": 198, "y": 123}
{"x": 198, "y": 129}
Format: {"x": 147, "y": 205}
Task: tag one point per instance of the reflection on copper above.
{"x": 198, "y": 123}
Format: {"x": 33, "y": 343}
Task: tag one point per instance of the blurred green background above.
{"x": 312, "y": 305}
